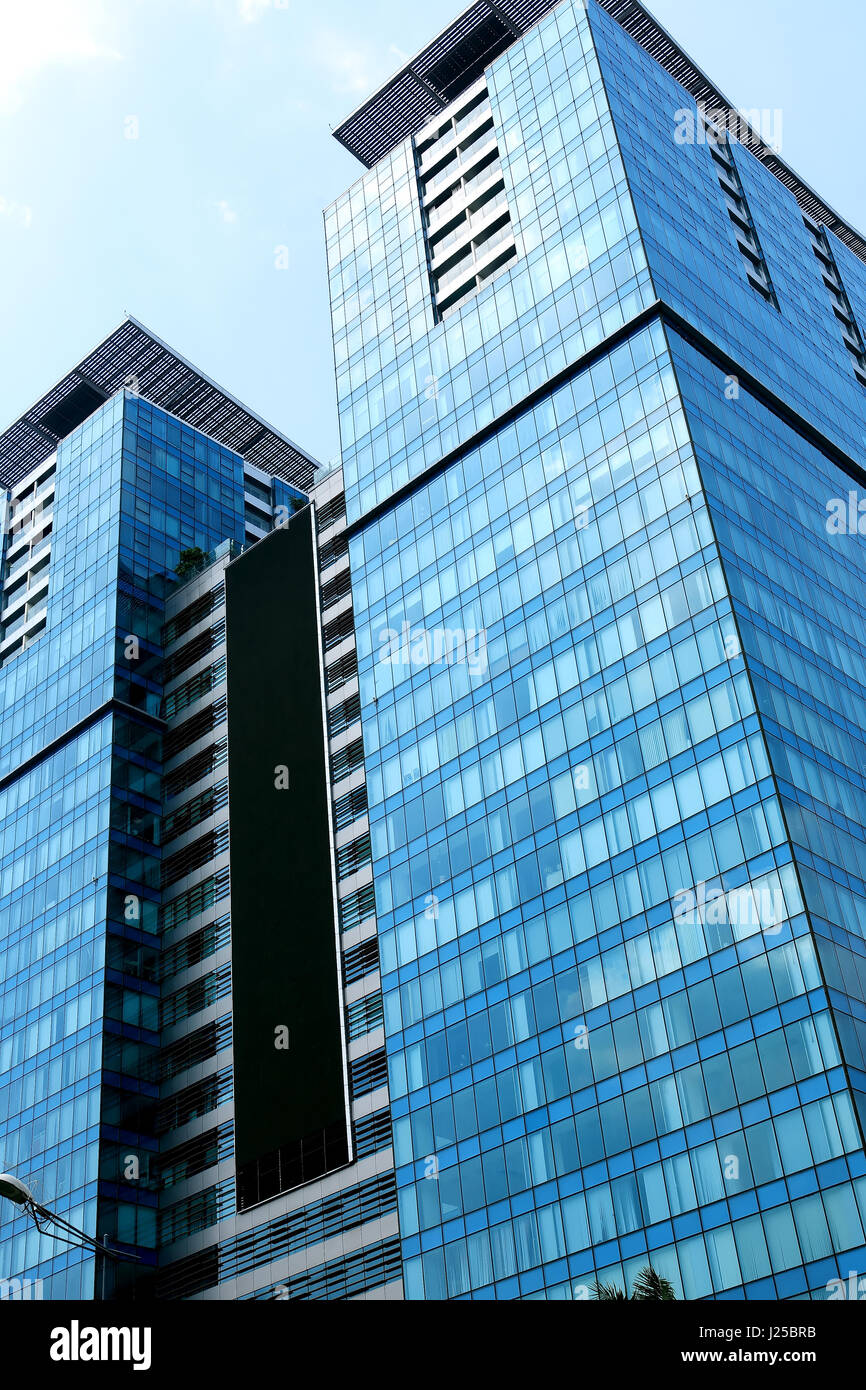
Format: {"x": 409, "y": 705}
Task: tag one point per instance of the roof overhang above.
{"x": 658, "y": 43}
{"x": 134, "y": 357}
{"x": 437, "y": 75}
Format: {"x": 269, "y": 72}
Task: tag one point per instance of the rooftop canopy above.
{"x": 133, "y": 356}
{"x": 437, "y": 76}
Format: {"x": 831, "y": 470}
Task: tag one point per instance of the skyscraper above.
{"x": 118, "y": 482}
{"x": 451, "y": 888}
{"x": 600, "y": 368}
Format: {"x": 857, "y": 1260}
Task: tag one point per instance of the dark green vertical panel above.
{"x": 284, "y": 957}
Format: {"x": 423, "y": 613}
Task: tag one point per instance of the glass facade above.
{"x": 799, "y": 591}
{"x": 79, "y": 808}
{"x": 52, "y": 920}
{"x": 410, "y": 388}
{"x": 592, "y": 586}
{"x": 610, "y": 679}
{"x": 794, "y": 348}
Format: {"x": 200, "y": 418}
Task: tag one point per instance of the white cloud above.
{"x": 251, "y": 10}
{"x": 40, "y": 34}
{"x": 226, "y": 211}
{"x": 16, "y": 212}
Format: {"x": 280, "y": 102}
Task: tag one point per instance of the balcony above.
{"x": 35, "y": 589}
{"x": 453, "y": 136}
{"x": 478, "y": 258}
{"x": 468, "y": 228}
{"x": 486, "y": 149}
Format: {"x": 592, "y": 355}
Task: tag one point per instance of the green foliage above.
{"x": 191, "y": 561}
{"x": 649, "y": 1287}
{"x": 608, "y": 1293}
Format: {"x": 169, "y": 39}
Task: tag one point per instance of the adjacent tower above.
{"x": 126, "y": 485}
{"x": 601, "y": 374}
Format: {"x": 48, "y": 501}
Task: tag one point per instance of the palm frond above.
{"x": 608, "y": 1293}
{"x": 651, "y": 1287}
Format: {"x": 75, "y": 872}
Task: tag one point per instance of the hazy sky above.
{"x": 154, "y": 154}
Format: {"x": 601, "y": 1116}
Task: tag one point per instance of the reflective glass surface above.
{"x": 410, "y": 389}
{"x": 583, "y": 1074}
{"x": 608, "y": 682}
{"x": 80, "y": 832}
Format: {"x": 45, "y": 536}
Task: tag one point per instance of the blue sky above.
{"x": 154, "y": 154}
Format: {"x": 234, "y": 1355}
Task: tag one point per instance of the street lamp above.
{"x": 18, "y": 1192}
{"x": 14, "y": 1189}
